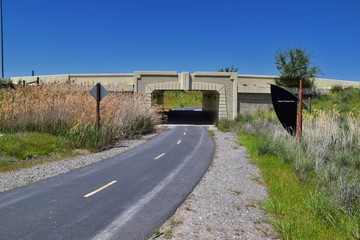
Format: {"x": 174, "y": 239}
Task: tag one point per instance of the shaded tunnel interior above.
{"x": 206, "y": 113}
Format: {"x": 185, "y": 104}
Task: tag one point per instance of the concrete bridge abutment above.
{"x": 224, "y": 94}
{"x": 219, "y": 90}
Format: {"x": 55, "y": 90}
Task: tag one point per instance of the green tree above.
{"x": 229, "y": 69}
{"x": 295, "y": 64}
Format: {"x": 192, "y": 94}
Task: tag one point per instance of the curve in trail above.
{"x": 124, "y": 197}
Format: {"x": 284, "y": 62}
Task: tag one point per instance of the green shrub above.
{"x": 344, "y": 158}
{"x": 266, "y": 147}
{"x": 224, "y": 125}
{"x": 244, "y": 118}
{"x": 336, "y": 88}
{"x": 3, "y": 163}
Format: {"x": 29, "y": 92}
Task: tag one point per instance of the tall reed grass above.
{"x": 70, "y": 110}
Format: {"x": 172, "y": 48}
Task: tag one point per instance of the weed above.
{"x": 188, "y": 208}
{"x": 266, "y": 147}
{"x": 175, "y": 222}
{"x": 168, "y": 233}
{"x": 224, "y": 125}
{"x": 3, "y": 163}
{"x": 244, "y": 118}
{"x": 156, "y": 234}
{"x": 236, "y": 192}
{"x": 237, "y": 207}
{"x": 337, "y": 88}
{"x": 250, "y": 205}
{"x": 156, "y": 231}
{"x": 212, "y": 133}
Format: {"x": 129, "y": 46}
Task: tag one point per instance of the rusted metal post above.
{"x": 299, "y": 127}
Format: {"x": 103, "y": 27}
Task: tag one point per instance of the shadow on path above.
{"x": 188, "y": 116}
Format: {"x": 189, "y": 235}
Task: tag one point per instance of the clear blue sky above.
{"x": 122, "y": 36}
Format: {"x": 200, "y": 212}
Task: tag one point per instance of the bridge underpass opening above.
{"x": 187, "y": 107}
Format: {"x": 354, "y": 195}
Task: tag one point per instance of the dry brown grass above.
{"x": 49, "y": 108}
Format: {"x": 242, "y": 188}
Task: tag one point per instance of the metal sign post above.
{"x": 299, "y": 127}
{"x": 98, "y": 92}
{"x": 2, "y": 41}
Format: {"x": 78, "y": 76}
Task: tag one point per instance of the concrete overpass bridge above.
{"x": 224, "y": 94}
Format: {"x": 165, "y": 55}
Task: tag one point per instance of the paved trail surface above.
{"x": 124, "y": 197}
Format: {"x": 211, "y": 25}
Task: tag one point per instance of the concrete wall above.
{"x": 249, "y": 103}
{"x": 112, "y": 82}
{"x": 236, "y": 93}
{"x": 155, "y": 81}
{"x": 327, "y": 84}
{"x": 43, "y": 79}
{"x": 222, "y": 83}
{"x": 254, "y": 91}
{"x": 225, "y": 84}
{"x": 210, "y": 103}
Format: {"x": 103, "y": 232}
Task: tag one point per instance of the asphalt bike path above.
{"x": 124, "y": 197}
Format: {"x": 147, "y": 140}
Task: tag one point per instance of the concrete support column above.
{"x": 137, "y": 77}
{"x": 185, "y": 81}
{"x": 234, "y": 80}
{"x": 222, "y": 106}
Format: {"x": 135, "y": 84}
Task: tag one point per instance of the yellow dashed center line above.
{"x": 161, "y": 155}
{"x": 99, "y": 189}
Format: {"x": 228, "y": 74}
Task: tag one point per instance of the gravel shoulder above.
{"x": 224, "y": 205}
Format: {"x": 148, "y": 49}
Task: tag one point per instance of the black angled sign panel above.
{"x": 285, "y": 105}
{"x": 103, "y": 92}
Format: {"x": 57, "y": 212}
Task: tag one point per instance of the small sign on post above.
{"x": 98, "y": 92}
